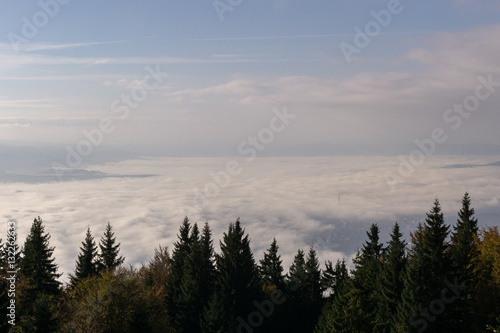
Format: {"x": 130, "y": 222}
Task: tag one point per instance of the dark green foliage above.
{"x": 197, "y": 285}
{"x": 391, "y": 282}
{"x": 38, "y": 284}
{"x": 312, "y": 290}
{"x": 296, "y": 291}
{"x": 87, "y": 264}
{"x": 43, "y": 317}
{"x": 271, "y": 267}
{"x": 238, "y": 281}
{"x": 335, "y": 281}
{"x": 464, "y": 249}
{"x": 427, "y": 272}
{"x": 367, "y": 269}
{"x": 213, "y": 319}
{"x": 37, "y": 263}
{"x": 180, "y": 254}
{"x": 109, "y": 257}
{"x": 464, "y": 255}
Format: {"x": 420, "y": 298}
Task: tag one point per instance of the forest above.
{"x": 445, "y": 279}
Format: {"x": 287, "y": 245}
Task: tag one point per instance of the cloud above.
{"x": 293, "y": 199}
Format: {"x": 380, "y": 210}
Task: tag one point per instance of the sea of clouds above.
{"x": 325, "y": 202}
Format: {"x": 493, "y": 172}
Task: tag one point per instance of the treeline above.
{"x": 446, "y": 280}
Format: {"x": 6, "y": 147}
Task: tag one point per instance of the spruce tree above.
{"x": 87, "y": 264}
{"x": 334, "y": 280}
{"x": 391, "y": 282}
{"x": 271, "y": 267}
{"x": 427, "y": 272}
{"x": 38, "y": 283}
{"x": 313, "y": 290}
{"x": 109, "y": 257}
{"x": 197, "y": 282}
{"x": 37, "y": 263}
{"x": 180, "y": 254}
{"x": 367, "y": 269}
{"x": 296, "y": 294}
{"x": 238, "y": 279}
{"x": 464, "y": 249}
{"x": 464, "y": 255}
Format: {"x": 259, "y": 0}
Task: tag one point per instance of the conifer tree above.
{"x": 207, "y": 267}
{"x": 271, "y": 267}
{"x": 391, "y": 282}
{"x": 427, "y": 272}
{"x": 197, "y": 282}
{"x": 37, "y": 263}
{"x": 109, "y": 258}
{"x": 464, "y": 249}
{"x": 313, "y": 290}
{"x": 180, "y": 254}
{"x": 214, "y": 316}
{"x": 367, "y": 269}
{"x": 238, "y": 279}
{"x": 334, "y": 280}
{"x": 38, "y": 282}
{"x": 296, "y": 293}
{"x": 87, "y": 264}
{"x": 464, "y": 255}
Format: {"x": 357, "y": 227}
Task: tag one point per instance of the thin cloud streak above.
{"x": 309, "y": 36}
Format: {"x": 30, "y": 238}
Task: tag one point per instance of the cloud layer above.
{"x": 327, "y": 202}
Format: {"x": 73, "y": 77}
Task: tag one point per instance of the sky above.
{"x": 65, "y": 66}
{"x": 318, "y": 118}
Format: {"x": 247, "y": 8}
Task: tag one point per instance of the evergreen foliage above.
{"x": 109, "y": 257}
{"x": 87, "y": 263}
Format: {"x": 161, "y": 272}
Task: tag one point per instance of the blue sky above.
{"x": 226, "y": 76}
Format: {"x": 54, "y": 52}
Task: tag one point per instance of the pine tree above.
{"x": 367, "y": 269}
{"x": 109, "y": 258}
{"x": 427, "y": 273}
{"x": 238, "y": 279}
{"x": 87, "y": 264}
{"x": 271, "y": 267}
{"x": 391, "y": 282}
